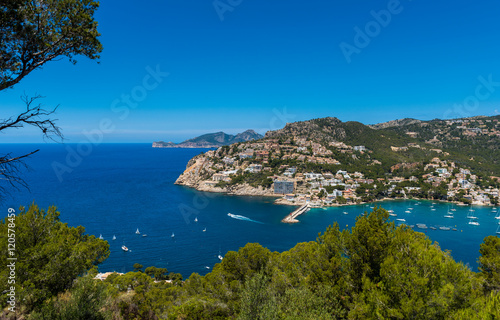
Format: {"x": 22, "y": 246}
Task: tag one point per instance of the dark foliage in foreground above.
{"x": 373, "y": 271}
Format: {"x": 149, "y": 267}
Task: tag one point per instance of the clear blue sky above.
{"x": 269, "y": 62}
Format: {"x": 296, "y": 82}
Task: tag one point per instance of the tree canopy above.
{"x": 35, "y": 32}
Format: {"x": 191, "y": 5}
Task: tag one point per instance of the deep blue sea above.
{"x": 115, "y": 189}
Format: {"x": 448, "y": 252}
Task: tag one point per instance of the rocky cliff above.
{"x": 199, "y": 172}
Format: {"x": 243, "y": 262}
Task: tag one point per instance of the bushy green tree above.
{"x": 489, "y": 263}
{"x": 258, "y": 300}
{"x": 50, "y": 255}
{"x": 138, "y": 267}
{"x": 85, "y": 301}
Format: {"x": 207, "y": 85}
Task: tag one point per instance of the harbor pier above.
{"x": 291, "y": 217}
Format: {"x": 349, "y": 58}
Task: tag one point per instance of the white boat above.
{"x": 402, "y": 220}
{"x": 345, "y": 212}
{"x": 473, "y": 222}
{"x": 470, "y": 215}
{"x": 433, "y": 209}
{"x": 196, "y": 219}
{"x": 449, "y": 216}
{"x": 393, "y": 214}
{"x": 204, "y": 229}
{"x": 390, "y": 211}
{"x": 137, "y": 231}
{"x": 407, "y": 211}
{"x": 207, "y": 267}
{"x": 114, "y": 237}
{"x": 144, "y": 235}
{"x": 124, "y": 248}
{"x": 421, "y": 226}
{"x": 100, "y": 237}
{"x": 445, "y": 228}
{"x": 410, "y": 208}
{"x": 220, "y": 257}
{"x": 173, "y": 235}
{"x": 497, "y": 216}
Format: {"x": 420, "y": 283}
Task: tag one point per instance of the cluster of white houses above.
{"x": 302, "y": 187}
{"x": 345, "y": 184}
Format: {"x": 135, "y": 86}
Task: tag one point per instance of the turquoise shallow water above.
{"x": 118, "y": 188}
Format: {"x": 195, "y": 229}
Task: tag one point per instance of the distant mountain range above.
{"x": 211, "y": 140}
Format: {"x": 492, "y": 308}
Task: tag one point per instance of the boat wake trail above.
{"x": 238, "y": 217}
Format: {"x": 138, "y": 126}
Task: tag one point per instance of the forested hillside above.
{"x": 471, "y": 142}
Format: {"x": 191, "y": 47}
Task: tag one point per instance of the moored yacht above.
{"x": 473, "y": 222}
{"x": 470, "y": 215}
